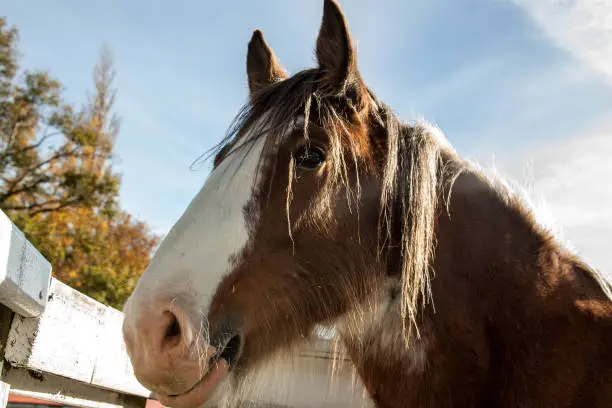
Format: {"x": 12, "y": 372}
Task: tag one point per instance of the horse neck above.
{"x": 509, "y": 304}
{"x": 491, "y": 240}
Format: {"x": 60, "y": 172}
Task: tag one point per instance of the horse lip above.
{"x": 202, "y": 378}
{"x": 201, "y": 391}
{"x": 234, "y": 345}
{"x": 213, "y": 360}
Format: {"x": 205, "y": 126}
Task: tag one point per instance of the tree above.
{"x": 99, "y": 255}
{"x": 51, "y": 156}
{"x": 57, "y": 182}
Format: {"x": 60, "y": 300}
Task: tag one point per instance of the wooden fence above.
{"x": 57, "y": 344}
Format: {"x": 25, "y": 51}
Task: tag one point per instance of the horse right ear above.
{"x": 263, "y": 68}
{"x": 335, "y": 51}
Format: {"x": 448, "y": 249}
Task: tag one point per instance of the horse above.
{"x": 323, "y": 207}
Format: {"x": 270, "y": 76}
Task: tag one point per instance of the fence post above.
{"x": 4, "y": 393}
{"x": 25, "y": 274}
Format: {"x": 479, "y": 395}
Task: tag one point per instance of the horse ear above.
{"x": 335, "y": 52}
{"x": 263, "y": 67}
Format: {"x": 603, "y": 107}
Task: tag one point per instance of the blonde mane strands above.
{"x": 414, "y": 179}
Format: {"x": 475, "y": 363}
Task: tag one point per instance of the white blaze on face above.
{"x": 198, "y": 251}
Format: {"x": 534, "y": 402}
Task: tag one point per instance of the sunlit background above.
{"x": 523, "y": 85}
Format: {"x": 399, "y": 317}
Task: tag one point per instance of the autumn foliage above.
{"x": 57, "y": 182}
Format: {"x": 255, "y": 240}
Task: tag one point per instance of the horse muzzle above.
{"x": 181, "y": 362}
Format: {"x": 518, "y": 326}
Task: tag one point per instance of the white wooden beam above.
{"x": 24, "y": 273}
{"x": 50, "y": 387}
{"x": 76, "y": 337}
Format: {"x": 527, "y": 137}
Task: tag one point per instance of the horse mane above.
{"x": 419, "y": 170}
{"x": 416, "y": 177}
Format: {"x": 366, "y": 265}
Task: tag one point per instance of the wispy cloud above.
{"x": 572, "y": 178}
{"x": 582, "y": 27}
{"x": 457, "y": 81}
{"x": 573, "y": 175}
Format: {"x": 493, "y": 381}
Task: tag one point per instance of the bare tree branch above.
{"x": 12, "y": 190}
{"x": 44, "y": 207}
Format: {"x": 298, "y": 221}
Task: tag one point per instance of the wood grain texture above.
{"x": 24, "y": 273}
{"x": 58, "y": 389}
{"x": 76, "y": 337}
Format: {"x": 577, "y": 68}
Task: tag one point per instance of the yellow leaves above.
{"x": 101, "y": 256}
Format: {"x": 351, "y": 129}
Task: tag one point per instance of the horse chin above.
{"x": 207, "y": 391}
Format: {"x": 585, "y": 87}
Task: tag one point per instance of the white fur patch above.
{"x": 295, "y": 381}
{"x": 198, "y": 251}
{"x": 381, "y": 320}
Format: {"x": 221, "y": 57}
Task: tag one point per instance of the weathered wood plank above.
{"x": 76, "y": 337}
{"x": 113, "y": 368}
{"x": 24, "y": 273}
{"x": 50, "y": 387}
{"x": 63, "y": 340}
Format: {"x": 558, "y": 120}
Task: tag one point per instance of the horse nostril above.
{"x": 172, "y": 335}
{"x": 174, "y": 329}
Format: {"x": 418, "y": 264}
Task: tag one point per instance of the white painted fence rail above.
{"x": 77, "y": 338}
{"x": 24, "y": 272}
{"x": 56, "y": 343}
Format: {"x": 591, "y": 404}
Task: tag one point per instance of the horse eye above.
{"x": 309, "y": 157}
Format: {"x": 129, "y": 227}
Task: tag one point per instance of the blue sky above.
{"x": 509, "y": 80}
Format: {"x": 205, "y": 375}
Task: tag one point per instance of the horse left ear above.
{"x": 263, "y": 68}
{"x": 335, "y": 52}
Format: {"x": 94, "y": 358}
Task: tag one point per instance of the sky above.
{"x": 524, "y": 85}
